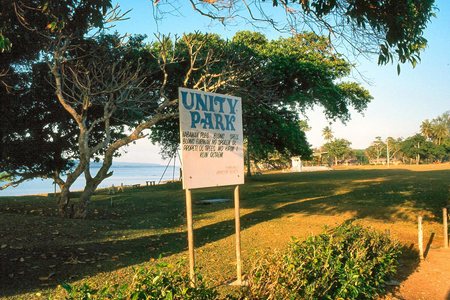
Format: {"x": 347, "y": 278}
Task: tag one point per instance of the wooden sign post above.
{"x": 190, "y": 230}
{"x": 238, "y": 236}
{"x": 211, "y": 153}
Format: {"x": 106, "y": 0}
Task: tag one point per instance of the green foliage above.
{"x": 276, "y": 79}
{"x": 338, "y": 149}
{"x": 438, "y": 129}
{"x": 165, "y": 282}
{"x": 376, "y": 150}
{"x": 31, "y": 115}
{"x": 347, "y": 262}
{"x": 415, "y": 147}
{"x": 5, "y": 44}
{"x": 394, "y": 29}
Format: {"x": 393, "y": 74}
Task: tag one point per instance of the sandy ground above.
{"x": 431, "y": 281}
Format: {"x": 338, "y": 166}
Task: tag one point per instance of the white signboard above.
{"x": 211, "y": 139}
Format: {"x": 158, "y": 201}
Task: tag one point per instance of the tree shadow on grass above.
{"x": 72, "y": 249}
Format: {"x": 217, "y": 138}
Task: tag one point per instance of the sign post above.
{"x": 211, "y": 152}
{"x": 190, "y": 230}
{"x": 238, "y": 236}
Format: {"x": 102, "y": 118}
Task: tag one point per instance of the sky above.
{"x": 400, "y": 104}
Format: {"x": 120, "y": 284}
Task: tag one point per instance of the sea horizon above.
{"x": 128, "y": 173}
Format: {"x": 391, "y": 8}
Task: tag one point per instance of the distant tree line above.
{"x": 430, "y": 145}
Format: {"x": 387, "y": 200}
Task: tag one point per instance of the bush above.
{"x": 160, "y": 282}
{"x": 347, "y": 262}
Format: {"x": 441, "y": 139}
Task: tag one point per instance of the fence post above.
{"x": 445, "y": 219}
{"x": 420, "y": 237}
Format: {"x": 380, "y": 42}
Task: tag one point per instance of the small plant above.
{"x": 347, "y": 262}
{"x": 165, "y": 282}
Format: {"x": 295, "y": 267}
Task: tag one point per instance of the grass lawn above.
{"x": 39, "y": 250}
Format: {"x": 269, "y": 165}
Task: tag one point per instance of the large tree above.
{"x": 95, "y": 86}
{"x": 103, "y": 85}
{"x": 283, "y": 77}
{"x": 35, "y": 133}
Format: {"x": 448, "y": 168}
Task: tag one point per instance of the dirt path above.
{"x": 431, "y": 280}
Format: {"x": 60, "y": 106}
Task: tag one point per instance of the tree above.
{"x": 361, "y": 156}
{"x": 376, "y": 150}
{"x": 327, "y": 133}
{"x": 104, "y": 84}
{"x": 130, "y": 83}
{"x": 276, "y": 130}
{"x": 426, "y": 129}
{"x": 393, "y": 147}
{"x": 438, "y": 132}
{"x": 393, "y": 29}
{"x": 30, "y": 113}
{"x": 280, "y": 78}
{"x": 438, "y": 129}
{"x": 338, "y": 149}
{"x": 415, "y": 147}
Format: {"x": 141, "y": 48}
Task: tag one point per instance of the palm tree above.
{"x": 426, "y": 129}
{"x": 440, "y": 132}
{"x": 327, "y": 133}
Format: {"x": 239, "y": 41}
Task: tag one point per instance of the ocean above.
{"x": 126, "y": 173}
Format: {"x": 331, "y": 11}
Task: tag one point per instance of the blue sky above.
{"x": 400, "y": 103}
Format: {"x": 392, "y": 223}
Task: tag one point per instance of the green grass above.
{"x": 39, "y": 250}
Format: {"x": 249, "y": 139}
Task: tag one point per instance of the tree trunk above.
{"x": 249, "y": 167}
{"x": 65, "y": 207}
{"x": 335, "y": 161}
{"x": 81, "y": 209}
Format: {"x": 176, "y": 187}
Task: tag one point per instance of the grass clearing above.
{"x": 39, "y": 250}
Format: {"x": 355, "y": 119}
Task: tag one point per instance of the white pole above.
{"x": 420, "y": 237}
{"x": 190, "y": 230}
{"x": 445, "y": 219}
{"x": 387, "y": 150}
{"x": 238, "y": 236}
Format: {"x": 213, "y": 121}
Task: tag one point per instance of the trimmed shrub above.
{"x": 347, "y": 262}
{"x": 163, "y": 282}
